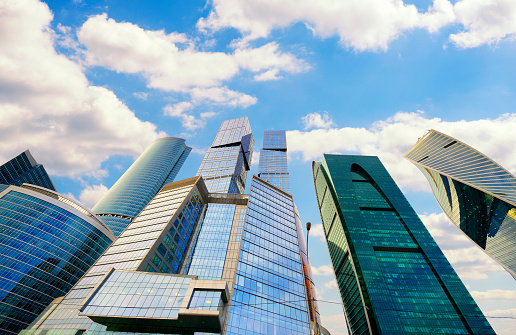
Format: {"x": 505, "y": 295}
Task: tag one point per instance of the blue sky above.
{"x": 88, "y": 85}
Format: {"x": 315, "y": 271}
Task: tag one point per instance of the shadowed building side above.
{"x": 24, "y": 169}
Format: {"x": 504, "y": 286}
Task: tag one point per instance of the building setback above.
{"x": 24, "y": 169}
{"x": 392, "y": 276}
{"x": 157, "y": 166}
{"x": 477, "y": 194}
{"x": 47, "y": 243}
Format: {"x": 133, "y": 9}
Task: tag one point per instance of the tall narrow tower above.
{"x": 158, "y": 165}
{"x": 476, "y": 193}
{"x": 392, "y": 276}
{"x": 273, "y": 165}
{"x": 226, "y": 163}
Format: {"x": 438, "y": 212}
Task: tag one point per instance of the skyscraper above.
{"x": 226, "y": 163}
{"x": 273, "y": 168}
{"x": 224, "y": 263}
{"x": 273, "y": 165}
{"x": 24, "y": 169}
{"x": 392, "y": 276}
{"x": 154, "y": 242}
{"x": 157, "y": 166}
{"x": 47, "y": 242}
{"x": 477, "y": 194}
{"x": 269, "y": 295}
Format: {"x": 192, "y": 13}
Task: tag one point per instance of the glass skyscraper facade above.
{"x": 222, "y": 262}
{"x": 24, "y": 169}
{"x": 273, "y": 166}
{"x": 120, "y": 285}
{"x": 477, "y": 194}
{"x": 269, "y": 288}
{"x": 157, "y": 166}
{"x": 226, "y": 163}
{"x": 47, "y": 242}
{"x": 392, "y": 276}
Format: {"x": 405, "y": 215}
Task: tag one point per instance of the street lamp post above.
{"x": 308, "y": 226}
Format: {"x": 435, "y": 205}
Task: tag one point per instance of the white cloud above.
{"x": 98, "y": 173}
{"x": 336, "y": 324}
{"x": 168, "y": 61}
{"x": 256, "y": 158}
{"x": 141, "y": 95}
{"x": 172, "y": 62}
{"x": 268, "y": 75}
{"x": 47, "y": 105}
{"x": 317, "y": 230}
{"x": 91, "y": 194}
{"x": 268, "y": 58}
{"x": 368, "y": 25}
{"x": 188, "y": 121}
{"x": 199, "y": 151}
{"x": 222, "y": 96}
{"x": 486, "y": 22}
{"x": 323, "y": 270}
{"x": 331, "y": 285}
{"x": 316, "y": 120}
{"x": 360, "y": 25}
{"x": 391, "y": 138}
{"x": 494, "y": 295}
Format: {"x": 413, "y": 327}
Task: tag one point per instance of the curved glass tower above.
{"x": 47, "y": 242}
{"x": 392, "y": 276}
{"x": 477, "y": 194}
{"x": 156, "y": 167}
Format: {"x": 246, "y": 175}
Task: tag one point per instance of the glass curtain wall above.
{"x": 392, "y": 276}
{"x": 156, "y": 166}
{"x": 477, "y": 194}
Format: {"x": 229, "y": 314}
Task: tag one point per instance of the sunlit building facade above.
{"x": 477, "y": 194}
{"x": 226, "y": 163}
{"x": 273, "y": 165}
{"x": 392, "y": 276}
{"x": 138, "y": 267}
{"x": 47, "y": 243}
{"x": 269, "y": 295}
{"x": 24, "y": 169}
{"x": 157, "y": 166}
{"x": 199, "y": 261}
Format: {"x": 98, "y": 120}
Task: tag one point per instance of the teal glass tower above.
{"x": 158, "y": 165}
{"x": 24, "y": 169}
{"x": 476, "y": 193}
{"x": 47, "y": 243}
{"x": 392, "y": 276}
{"x": 273, "y": 165}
